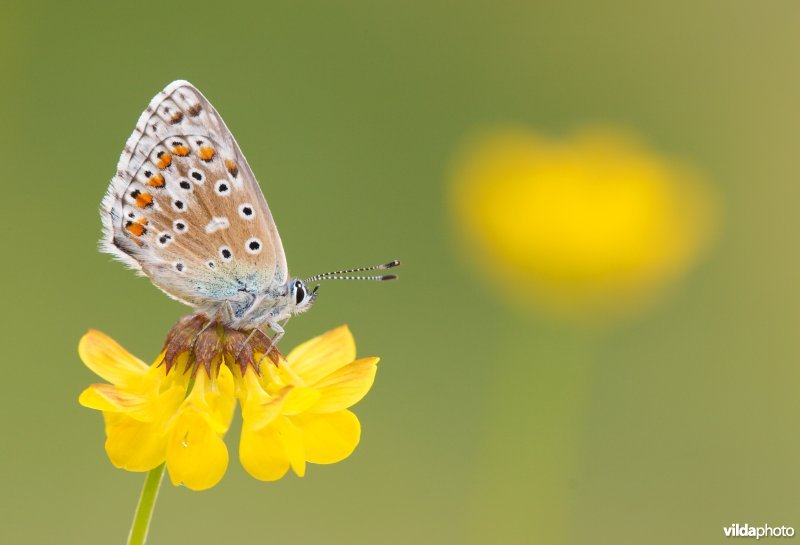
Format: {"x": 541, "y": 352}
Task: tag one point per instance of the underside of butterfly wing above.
{"x": 185, "y": 209}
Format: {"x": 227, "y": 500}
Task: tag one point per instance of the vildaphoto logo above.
{"x": 745, "y": 530}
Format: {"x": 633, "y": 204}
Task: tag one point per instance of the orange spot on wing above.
{"x": 143, "y": 200}
{"x": 143, "y": 221}
{"x": 180, "y": 151}
{"x": 177, "y": 117}
{"x": 164, "y": 161}
{"x": 206, "y": 153}
{"x": 156, "y": 181}
{"x": 136, "y": 229}
{"x": 232, "y": 168}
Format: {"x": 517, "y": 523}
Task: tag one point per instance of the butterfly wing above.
{"x": 185, "y": 209}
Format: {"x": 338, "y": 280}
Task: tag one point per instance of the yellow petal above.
{"x": 105, "y": 397}
{"x": 224, "y": 405}
{"x": 321, "y": 356}
{"x": 299, "y": 400}
{"x": 292, "y": 444}
{"x": 328, "y": 438}
{"x": 134, "y": 445}
{"x": 345, "y": 387}
{"x": 261, "y": 453}
{"x": 260, "y": 409}
{"x": 108, "y": 359}
{"x": 196, "y": 455}
{"x": 214, "y": 399}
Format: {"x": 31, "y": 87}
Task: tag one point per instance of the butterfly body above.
{"x": 186, "y": 210}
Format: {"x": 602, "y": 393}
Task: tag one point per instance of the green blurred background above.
{"x": 486, "y": 424}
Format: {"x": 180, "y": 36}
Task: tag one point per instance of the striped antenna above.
{"x": 337, "y": 275}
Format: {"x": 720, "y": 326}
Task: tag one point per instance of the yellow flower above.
{"x": 294, "y": 411}
{"x": 297, "y": 414}
{"x": 593, "y": 225}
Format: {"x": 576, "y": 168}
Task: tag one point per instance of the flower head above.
{"x": 592, "y": 225}
{"x": 294, "y": 409}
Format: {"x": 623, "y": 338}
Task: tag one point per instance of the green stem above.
{"x": 147, "y": 499}
{"x": 144, "y": 510}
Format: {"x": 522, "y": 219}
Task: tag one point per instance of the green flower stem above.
{"x": 147, "y": 500}
{"x": 144, "y": 510}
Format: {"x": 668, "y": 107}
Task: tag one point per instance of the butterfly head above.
{"x": 300, "y": 298}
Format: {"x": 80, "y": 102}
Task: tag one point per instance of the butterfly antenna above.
{"x": 337, "y": 275}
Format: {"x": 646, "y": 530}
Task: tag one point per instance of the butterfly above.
{"x": 186, "y": 210}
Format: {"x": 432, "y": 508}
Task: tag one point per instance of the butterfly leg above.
{"x": 194, "y": 340}
{"x": 247, "y": 340}
{"x": 227, "y": 315}
{"x": 273, "y": 341}
{"x": 226, "y": 312}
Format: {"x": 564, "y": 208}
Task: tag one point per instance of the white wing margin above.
{"x": 180, "y": 135}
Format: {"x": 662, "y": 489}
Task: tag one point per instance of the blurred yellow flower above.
{"x": 591, "y": 226}
{"x": 294, "y": 411}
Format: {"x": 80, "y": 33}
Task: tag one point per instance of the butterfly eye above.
{"x": 300, "y": 293}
